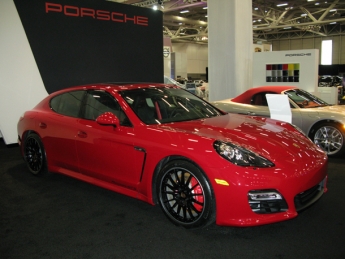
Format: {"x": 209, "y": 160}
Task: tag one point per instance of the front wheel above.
{"x": 330, "y": 138}
{"x": 185, "y": 195}
{"x": 34, "y": 155}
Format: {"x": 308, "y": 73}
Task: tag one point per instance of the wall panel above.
{"x": 284, "y": 45}
{"x": 342, "y": 47}
{"x": 308, "y": 43}
{"x": 193, "y": 58}
{"x": 335, "y": 50}
{"x": 296, "y": 44}
{"x": 338, "y": 56}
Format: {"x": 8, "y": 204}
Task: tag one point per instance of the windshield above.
{"x": 304, "y": 99}
{"x": 165, "y": 105}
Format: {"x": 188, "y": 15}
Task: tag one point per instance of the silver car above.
{"x": 322, "y": 122}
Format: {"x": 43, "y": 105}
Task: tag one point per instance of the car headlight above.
{"x": 240, "y": 156}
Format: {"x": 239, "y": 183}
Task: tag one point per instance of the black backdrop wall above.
{"x": 80, "y": 42}
{"x": 332, "y": 70}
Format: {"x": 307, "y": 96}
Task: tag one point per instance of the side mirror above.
{"x": 108, "y": 118}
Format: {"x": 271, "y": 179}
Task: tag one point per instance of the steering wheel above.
{"x": 175, "y": 113}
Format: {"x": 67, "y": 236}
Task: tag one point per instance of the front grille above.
{"x": 308, "y": 197}
{"x": 267, "y": 207}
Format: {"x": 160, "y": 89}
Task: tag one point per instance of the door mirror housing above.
{"x": 107, "y": 119}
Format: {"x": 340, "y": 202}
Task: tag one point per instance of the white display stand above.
{"x": 279, "y": 107}
{"x": 19, "y": 74}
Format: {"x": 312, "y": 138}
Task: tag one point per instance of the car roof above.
{"x": 117, "y": 86}
{"x": 247, "y": 95}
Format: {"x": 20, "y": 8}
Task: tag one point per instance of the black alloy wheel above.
{"x": 34, "y": 155}
{"x": 185, "y": 195}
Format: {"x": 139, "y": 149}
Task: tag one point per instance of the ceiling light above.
{"x": 155, "y": 7}
{"x": 332, "y": 22}
{"x": 333, "y": 10}
{"x": 184, "y": 11}
{"x": 284, "y": 4}
{"x": 303, "y": 14}
{"x": 205, "y": 7}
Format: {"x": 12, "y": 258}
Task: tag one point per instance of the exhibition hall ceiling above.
{"x": 186, "y": 20}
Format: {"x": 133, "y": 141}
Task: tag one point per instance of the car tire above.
{"x": 329, "y": 137}
{"x": 34, "y": 155}
{"x": 185, "y": 195}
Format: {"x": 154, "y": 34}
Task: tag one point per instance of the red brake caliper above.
{"x": 198, "y": 191}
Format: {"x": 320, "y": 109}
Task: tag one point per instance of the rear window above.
{"x": 67, "y": 104}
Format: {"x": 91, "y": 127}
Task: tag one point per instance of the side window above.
{"x": 98, "y": 102}
{"x": 259, "y": 99}
{"x": 67, "y": 104}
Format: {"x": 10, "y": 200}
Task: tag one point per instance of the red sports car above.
{"x": 163, "y": 145}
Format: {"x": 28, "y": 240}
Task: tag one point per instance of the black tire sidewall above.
{"x": 43, "y": 170}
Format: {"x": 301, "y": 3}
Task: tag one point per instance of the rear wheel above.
{"x": 185, "y": 195}
{"x": 330, "y": 138}
{"x": 34, "y": 155}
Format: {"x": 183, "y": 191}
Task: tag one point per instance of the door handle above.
{"x": 82, "y": 134}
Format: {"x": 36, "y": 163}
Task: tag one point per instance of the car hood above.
{"x": 333, "y": 108}
{"x": 269, "y": 138}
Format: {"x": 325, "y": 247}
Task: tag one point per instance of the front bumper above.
{"x": 233, "y": 206}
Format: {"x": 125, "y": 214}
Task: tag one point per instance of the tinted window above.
{"x": 68, "y": 103}
{"x": 98, "y": 102}
{"x": 164, "y": 105}
{"x": 259, "y": 99}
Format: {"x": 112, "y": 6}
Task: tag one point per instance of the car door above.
{"x": 107, "y": 152}
{"x": 58, "y": 130}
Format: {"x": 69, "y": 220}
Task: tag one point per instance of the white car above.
{"x": 168, "y": 80}
{"x": 198, "y": 82}
{"x": 323, "y": 123}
